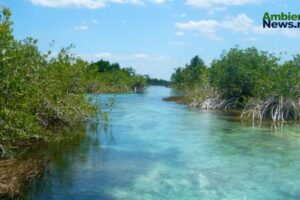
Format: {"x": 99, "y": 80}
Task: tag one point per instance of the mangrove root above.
{"x": 276, "y": 109}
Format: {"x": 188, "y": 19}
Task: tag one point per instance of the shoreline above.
{"x": 235, "y": 113}
{"x": 18, "y": 168}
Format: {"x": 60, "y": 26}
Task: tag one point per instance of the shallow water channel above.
{"x": 152, "y": 149}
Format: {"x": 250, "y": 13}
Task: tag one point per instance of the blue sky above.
{"x": 153, "y": 36}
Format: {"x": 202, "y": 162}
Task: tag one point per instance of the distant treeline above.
{"x": 157, "y": 82}
{"x": 39, "y": 90}
{"x": 255, "y": 81}
{"x": 110, "y": 77}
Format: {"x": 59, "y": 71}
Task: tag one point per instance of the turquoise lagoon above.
{"x": 152, "y": 149}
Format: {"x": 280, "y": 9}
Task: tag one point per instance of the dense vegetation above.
{"x": 248, "y": 79}
{"x": 106, "y": 77}
{"x": 157, "y": 82}
{"x": 35, "y": 90}
{"x": 39, "y": 90}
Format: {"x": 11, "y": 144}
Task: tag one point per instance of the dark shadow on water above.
{"x": 88, "y": 164}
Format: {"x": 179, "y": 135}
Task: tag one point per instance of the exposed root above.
{"x": 214, "y": 101}
{"x": 276, "y": 109}
{"x": 177, "y": 99}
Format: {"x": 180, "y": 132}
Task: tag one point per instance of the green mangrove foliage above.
{"x": 193, "y": 79}
{"x": 36, "y": 89}
{"x": 157, "y": 82}
{"x": 110, "y": 77}
{"x": 39, "y": 90}
{"x": 248, "y": 79}
{"x": 192, "y": 75}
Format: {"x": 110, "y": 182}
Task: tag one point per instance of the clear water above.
{"x": 161, "y": 150}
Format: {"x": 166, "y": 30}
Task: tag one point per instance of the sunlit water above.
{"x": 161, "y": 150}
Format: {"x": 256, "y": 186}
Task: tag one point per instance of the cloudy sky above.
{"x": 153, "y": 36}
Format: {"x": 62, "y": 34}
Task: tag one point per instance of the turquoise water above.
{"x": 153, "y": 150}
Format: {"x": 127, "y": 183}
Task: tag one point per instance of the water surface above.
{"x": 161, "y": 150}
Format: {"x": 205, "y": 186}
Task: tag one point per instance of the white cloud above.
{"x": 159, "y": 1}
{"x": 179, "y": 33}
{"x": 209, "y": 4}
{"x": 95, "y": 21}
{"x": 241, "y": 23}
{"x": 81, "y": 28}
{"x": 141, "y": 56}
{"x": 86, "y": 24}
{"x": 90, "y": 4}
{"x": 206, "y": 27}
{"x": 103, "y": 55}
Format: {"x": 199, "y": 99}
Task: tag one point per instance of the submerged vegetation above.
{"x": 248, "y": 79}
{"x": 16, "y": 174}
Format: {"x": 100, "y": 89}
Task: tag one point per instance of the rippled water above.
{"x": 161, "y": 150}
